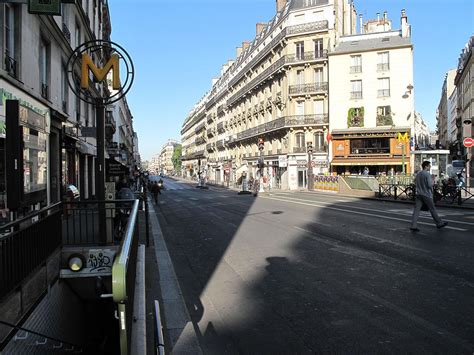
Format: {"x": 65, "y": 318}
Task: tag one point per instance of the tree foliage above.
{"x": 176, "y": 158}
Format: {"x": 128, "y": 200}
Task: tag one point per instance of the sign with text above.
{"x": 44, "y": 7}
{"x": 282, "y": 161}
{"x": 88, "y": 132}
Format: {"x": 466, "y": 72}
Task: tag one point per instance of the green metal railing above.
{"x": 123, "y": 279}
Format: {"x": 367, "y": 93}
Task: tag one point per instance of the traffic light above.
{"x": 309, "y": 147}
{"x": 260, "y": 144}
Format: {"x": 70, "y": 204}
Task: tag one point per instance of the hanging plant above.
{"x": 355, "y": 117}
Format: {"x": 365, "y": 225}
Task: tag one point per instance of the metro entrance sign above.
{"x": 468, "y": 142}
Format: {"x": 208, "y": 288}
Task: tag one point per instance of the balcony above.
{"x": 220, "y": 110}
{"x": 210, "y": 132}
{"x": 210, "y": 118}
{"x": 307, "y": 56}
{"x": 220, "y": 144}
{"x": 200, "y": 127}
{"x": 284, "y": 122}
{"x": 355, "y": 69}
{"x": 356, "y": 95}
{"x": 10, "y": 66}
{"x": 66, "y": 33}
{"x": 44, "y": 90}
{"x": 209, "y": 147}
{"x": 220, "y": 127}
{"x": 299, "y": 150}
{"x": 303, "y": 89}
{"x": 383, "y": 67}
{"x": 199, "y": 140}
{"x": 307, "y": 27}
{"x": 384, "y": 120}
{"x": 383, "y": 93}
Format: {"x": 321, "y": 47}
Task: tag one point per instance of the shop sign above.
{"x": 32, "y": 111}
{"x": 282, "y": 161}
{"x": 115, "y": 168}
{"x": 88, "y": 132}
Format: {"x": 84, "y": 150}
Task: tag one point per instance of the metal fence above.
{"x": 26, "y": 244}
{"x": 123, "y": 279}
{"x": 81, "y": 225}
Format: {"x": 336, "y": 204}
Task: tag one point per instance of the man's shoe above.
{"x": 414, "y": 229}
{"x": 442, "y": 225}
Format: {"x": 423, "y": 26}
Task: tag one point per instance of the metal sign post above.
{"x": 90, "y": 92}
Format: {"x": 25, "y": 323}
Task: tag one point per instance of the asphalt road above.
{"x": 305, "y": 272}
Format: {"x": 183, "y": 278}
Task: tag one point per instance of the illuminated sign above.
{"x": 402, "y": 137}
{"x": 99, "y": 74}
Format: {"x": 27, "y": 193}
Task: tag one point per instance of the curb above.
{"x": 177, "y": 321}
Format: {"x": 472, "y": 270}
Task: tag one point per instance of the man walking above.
{"x": 424, "y": 195}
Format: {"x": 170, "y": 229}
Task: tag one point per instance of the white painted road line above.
{"x": 357, "y": 212}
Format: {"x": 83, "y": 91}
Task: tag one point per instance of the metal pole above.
{"x": 147, "y": 232}
{"x": 261, "y": 171}
{"x": 310, "y": 172}
{"x": 403, "y": 157}
{"x": 100, "y": 168}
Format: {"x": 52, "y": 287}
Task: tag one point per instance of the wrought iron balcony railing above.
{"x": 44, "y": 90}
{"x": 383, "y": 66}
{"x": 199, "y": 127}
{"x": 308, "y": 27}
{"x": 10, "y": 66}
{"x": 66, "y": 33}
{"x": 356, "y": 69}
{"x": 220, "y": 127}
{"x": 383, "y": 93}
{"x": 299, "y": 150}
{"x": 308, "y": 88}
{"x": 283, "y": 122}
{"x": 356, "y": 95}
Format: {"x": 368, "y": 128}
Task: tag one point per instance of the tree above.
{"x": 176, "y": 158}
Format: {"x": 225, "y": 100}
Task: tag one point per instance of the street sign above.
{"x": 468, "y": 142}
{"x": 282, "y": 161}
{"x": 44, "y": 7}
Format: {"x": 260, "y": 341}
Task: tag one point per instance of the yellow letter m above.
{"x": 99, "y": 74}
{"x": 402, "y": 137}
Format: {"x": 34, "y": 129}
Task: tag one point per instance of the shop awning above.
{"x": 362, "y": 162}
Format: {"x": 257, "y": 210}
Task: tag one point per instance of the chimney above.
{"x": 259, "y": 27}
{"x": 385, "y": 15}
{"x": 405, "y": 27}
{"x": 361, "y": 24}
{"x": 378, "y": 16}
{"x": 239, "y": 51}
{"x": 245, "y": 45}
{"x": 280, "y": 4}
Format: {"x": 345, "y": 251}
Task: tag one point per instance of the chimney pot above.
{"x": 378, "y": 16}
{"x": 385, "y": 15}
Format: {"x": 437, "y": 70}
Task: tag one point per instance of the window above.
{"x": 10, "y": 62}
{"x": 318, "y": 107}
{"x": 384, "y": 116}
{"x": 299, "y": 140}
{"x": 44, "y": 67}
{"x": 319, "y": 145}
{"x": 64, "y": 89}
{"x": 78, "y": 33}
{"x": 299, "y": 77}
{"x": 318, "y": 48}
{"x": 383, "y": 61}
{"x": 300, "y": 50}
{"x": 356, "y": 64}
{"x": 384, "y": 87}
{"x": 356, "y": 92}
{"x": 300, "y": 108}
{"x": 318, "y": 75}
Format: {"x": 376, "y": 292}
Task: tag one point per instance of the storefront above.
{"x": 29, "y": 185}
{"x": 381, "y": 151}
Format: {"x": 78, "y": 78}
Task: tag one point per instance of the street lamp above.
{"x": 261, "y": 162}
{"x": 309, "y": 149}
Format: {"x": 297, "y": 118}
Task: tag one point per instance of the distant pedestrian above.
{"x": 366, "y": 171}
{"x": 155, "y": 190}
{"x": 424, "y": 196}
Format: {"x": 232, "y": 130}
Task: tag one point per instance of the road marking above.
{"x": 382, "y": 241}
{"x": 382, "y": 211}
{"x": 361, "y": 213}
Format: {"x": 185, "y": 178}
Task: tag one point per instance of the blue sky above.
{"x": 179, "y": 46}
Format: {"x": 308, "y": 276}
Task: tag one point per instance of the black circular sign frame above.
{"x": 98, "y": 46}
